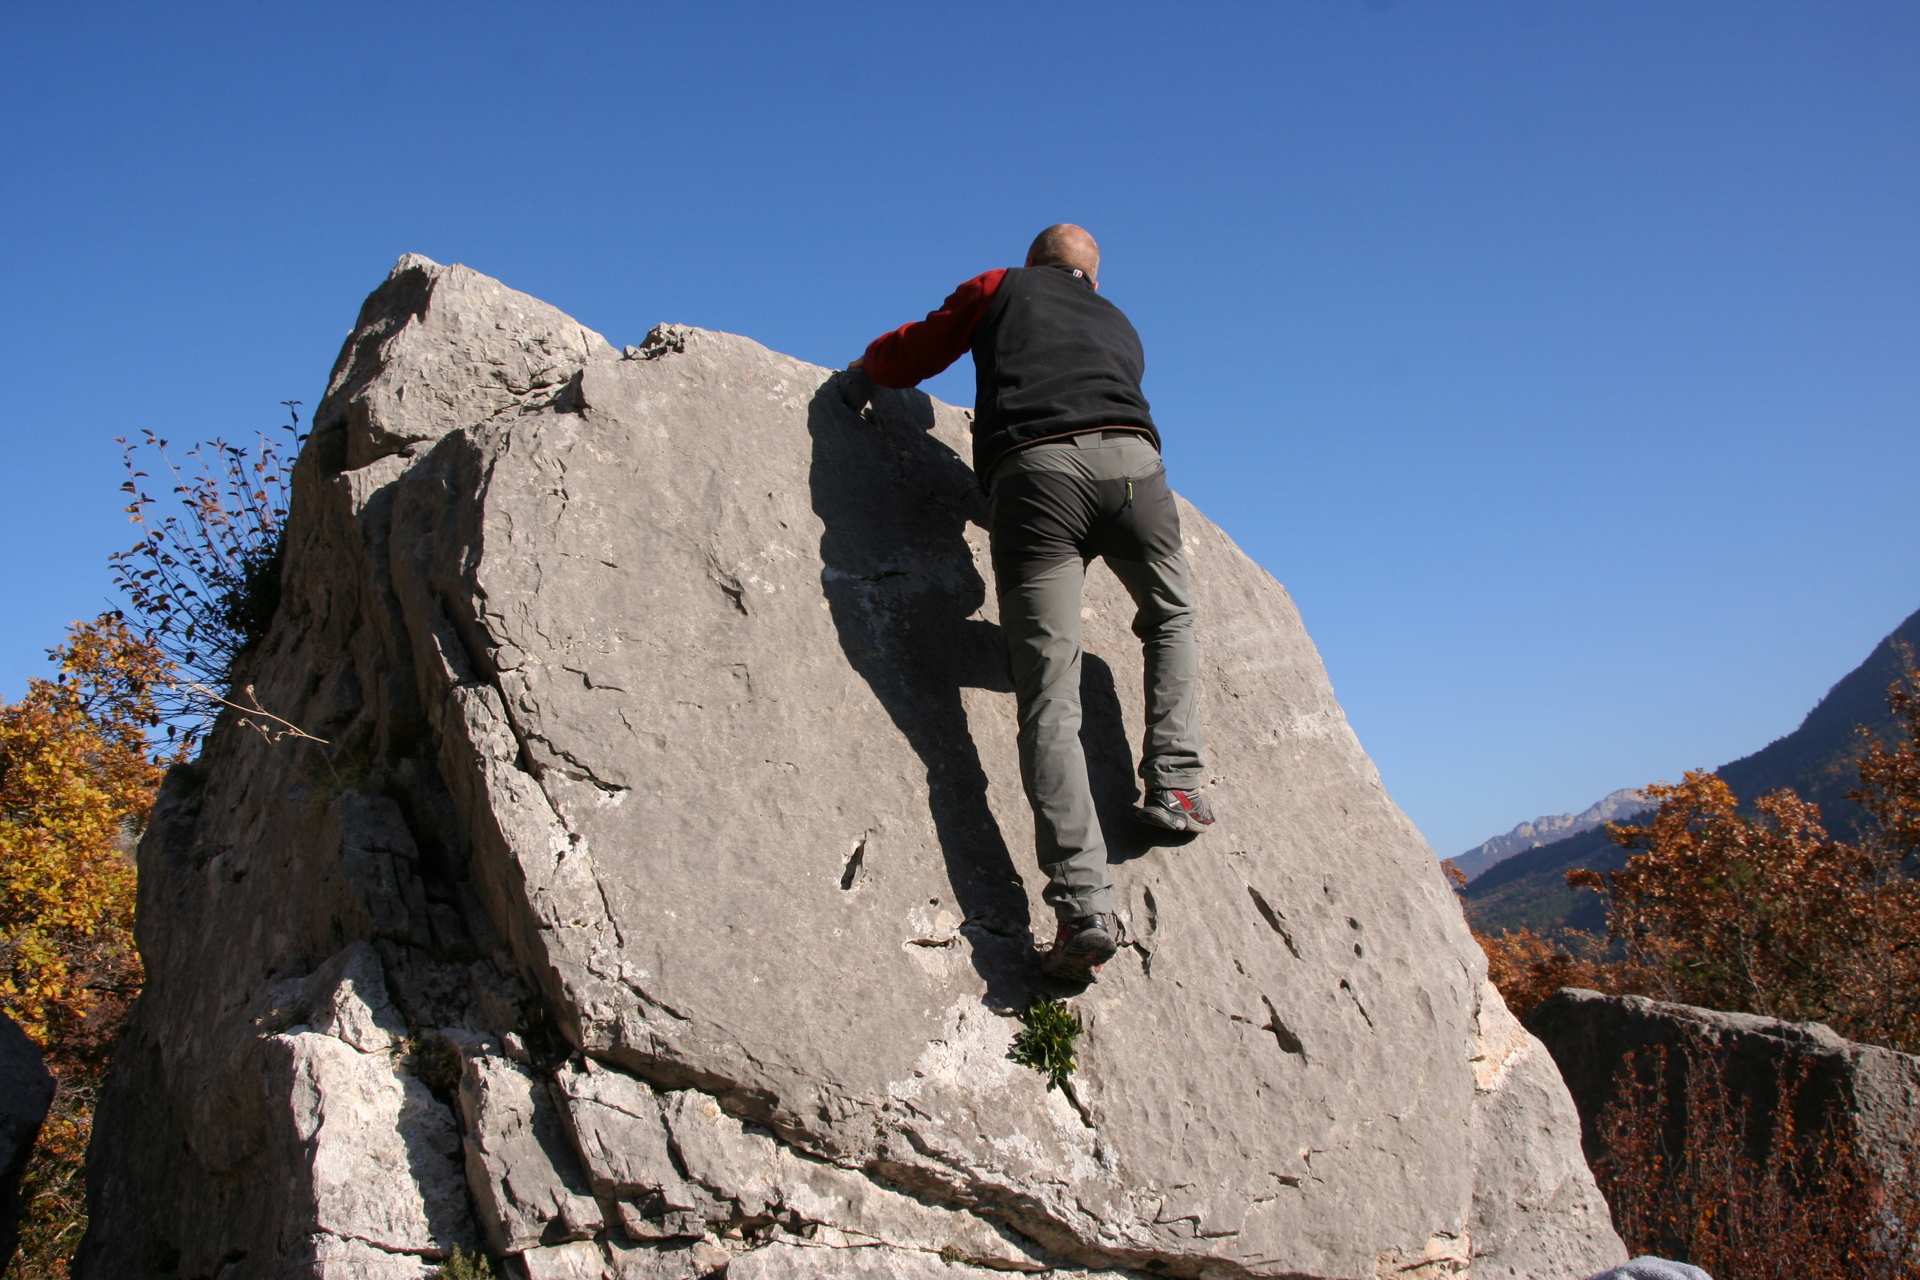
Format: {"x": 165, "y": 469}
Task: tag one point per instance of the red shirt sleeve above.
{"x": 925, "y": 347}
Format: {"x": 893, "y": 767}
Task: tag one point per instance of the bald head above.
{"x": 1068, "y": 244}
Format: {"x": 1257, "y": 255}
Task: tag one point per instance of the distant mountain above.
{"x": 1529, "y": 889}
{"x": 1623, "y": 803}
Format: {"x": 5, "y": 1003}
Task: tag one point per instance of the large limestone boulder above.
{"x": 662, "y": 897}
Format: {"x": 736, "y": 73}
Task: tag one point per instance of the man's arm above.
{"x": 925, "y": 347}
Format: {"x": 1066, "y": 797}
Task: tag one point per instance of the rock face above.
{"x": 1873, "y": 1092}
{"x": 662, "y": 896}
{"x": 26, "y": 1091}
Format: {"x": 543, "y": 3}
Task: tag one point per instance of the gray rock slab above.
{"x": 580, "y": 1260}
{"x": 667, "y": 723}
{"x": 764, "y": 1178}
{"x": 1876, "y": 1091}
{"x": 328, "y": 1257}
{"x": 488, "y": 352}
{"x": 617, "y": 1260}
{"x": 678, "y": 1260}
{"x": 620, "y": 1134}
{"x": 347, "y": 999}
{"x": 1534, "y": 1200}
{"x": 383, "y": 1155}
{"x": 819, "y": 1260}
{"x": 707, "y": 573}
{"x": 617, "y": 1129}
{"x": 523, "y": 1173}
{"x": 26, "y": 1091}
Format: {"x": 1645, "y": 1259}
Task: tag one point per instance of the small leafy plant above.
{"x": 1047, "y": 1043}
{"x": 461, "y": 1265}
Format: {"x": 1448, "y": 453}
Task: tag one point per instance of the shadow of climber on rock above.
{"x": 1110, "y": 768}
{"x": 899, "y": 580}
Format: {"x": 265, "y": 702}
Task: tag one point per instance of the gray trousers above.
{"x": 1055, "y": 506}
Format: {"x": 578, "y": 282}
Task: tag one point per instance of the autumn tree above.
{"x": 1766, "y": 912}
{"x": 77, "y": 779}
{"x": 1526, "y": 967}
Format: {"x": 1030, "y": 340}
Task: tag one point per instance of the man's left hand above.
{"x": 856, "y": 388}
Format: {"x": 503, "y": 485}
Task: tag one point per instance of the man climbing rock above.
{"x": 1066, "y": 448}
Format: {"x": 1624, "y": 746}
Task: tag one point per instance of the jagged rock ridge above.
{"x": 1547, "y": 829}
{"x": 661, "y": 899}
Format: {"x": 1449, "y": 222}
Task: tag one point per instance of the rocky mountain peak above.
{"x": 1624, "y": 803}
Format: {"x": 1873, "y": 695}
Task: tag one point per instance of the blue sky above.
{"x": 1560, "y": 357}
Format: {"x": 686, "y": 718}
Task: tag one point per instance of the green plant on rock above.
{"x": 461, "y": 1265}
{"x": 1047, "y": 1043}
{"x": 435, "y": 1062}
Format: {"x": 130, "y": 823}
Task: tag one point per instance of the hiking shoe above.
{"x": 1080, "y": 948}
{"x": 1176, "y": 810}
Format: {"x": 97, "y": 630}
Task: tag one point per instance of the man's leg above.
{"x": 1170, "y": 754}
{"x": 1040, "y": 614}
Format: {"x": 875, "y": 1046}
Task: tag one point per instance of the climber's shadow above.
{"x": 1110, "y": 767}
{"x": 900, "y": 583}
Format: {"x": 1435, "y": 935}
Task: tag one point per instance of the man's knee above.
{"x": 1159, "y": 615}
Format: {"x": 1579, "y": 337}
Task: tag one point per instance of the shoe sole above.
{"x": 1168, "y": 821}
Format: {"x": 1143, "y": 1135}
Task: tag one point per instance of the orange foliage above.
{"x": 1527, "y": 967}
{"x": 1736, "y": 1186}
{"x": 76, "y": 783}
{"x": 1890, "y": 776}
{"x": 1771, "y": 915}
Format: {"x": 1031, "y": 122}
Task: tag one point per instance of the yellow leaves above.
{"x": 76, "y": 782}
